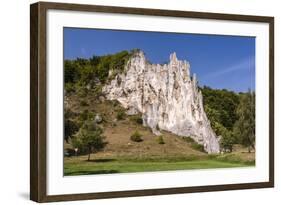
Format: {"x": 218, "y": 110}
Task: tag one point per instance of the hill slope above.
{"x": 118, "y": 128}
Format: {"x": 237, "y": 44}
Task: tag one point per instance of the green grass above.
{"x": 107, "y": 166}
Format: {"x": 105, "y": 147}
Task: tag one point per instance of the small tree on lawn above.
{"x": 89, "y": 138}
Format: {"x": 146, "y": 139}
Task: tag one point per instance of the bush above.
{"x": 97, "y": 90}
{"x": 194, "y": 144}
{"x": 121, "y": 115}
{"x": 83, "y": 116}
{"x": 157, "y": 127}
{"x": 160, "y": 140}
{"x": 69, "y": 88}
{"x": 82, "y": 92}
{"x": 90, "y": 116}
{"x": 115, "y": 103}
{"x": 69, "y": 114}
{"x": 136, "y": 137}
{"x": 137, "y": 119}
{"x": 198, "y": 147}
{"x": 188, "y": 139}
{"x": 84, "y": 103}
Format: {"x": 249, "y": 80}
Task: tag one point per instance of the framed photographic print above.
{"x": 134, "y": 102}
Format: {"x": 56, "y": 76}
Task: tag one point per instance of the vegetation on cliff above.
{"x": 87, "y": 72}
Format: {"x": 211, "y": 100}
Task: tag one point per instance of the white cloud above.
{"x": 244, "y": 64}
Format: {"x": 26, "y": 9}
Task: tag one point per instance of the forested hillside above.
{"x": 232, "y": 116}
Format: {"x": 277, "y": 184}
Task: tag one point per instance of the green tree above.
{"x": 69, "y": 71}
{"x": 227, "y": 140}
{"x": 70, "y": 128}
{"x": 89, "y": 138}
{"x": 244, "y": 127}
{"x": 220, "y": 106}
{"x": 87, "y": 74}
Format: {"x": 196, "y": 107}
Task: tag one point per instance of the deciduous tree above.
{"x": 89, "y": 138}
{"x": 245, "y": 125}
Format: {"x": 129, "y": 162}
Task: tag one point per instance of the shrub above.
{"x": 160, "y": 140}
{"x": 69, "y": 88}
{"x": 157, "y": 127}
{"x": 194, "y": 144}
{"x": 121, "y": 115}
{"x": 68, "y": 113}
{"x": 137, "y": 119}
{"x": 188, "y": 139}
{"x": 84, "y": 103}
{"x": 136, "y": 137}
{"x": 97, "y": 90}
{"x": 84, "y": 115}
{"x": 82, "y": 92}
{"x": 198, "y": 147}
{"x": 90, "y": 115}
{"x": 114, "y": 103}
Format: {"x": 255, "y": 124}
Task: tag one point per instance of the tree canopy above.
{"x": 245, "y": 125}
{"x": 84, "y": 71}
{"x": 89, "y": 138}
{"x": 232, "y": 116}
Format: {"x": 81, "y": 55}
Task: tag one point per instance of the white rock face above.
{"x": 166, "y": 96}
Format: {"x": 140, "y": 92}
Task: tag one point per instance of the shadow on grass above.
{"x": 88, "y": 172}
{"x": 246, "y": 152}
{"x": 101, "y": 160}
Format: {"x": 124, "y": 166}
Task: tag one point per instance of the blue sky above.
{"x": 223, "y": 62}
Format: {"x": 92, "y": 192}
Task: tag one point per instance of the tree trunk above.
{"x": 89, "y": 153}
{"x": 249, "y": 149}
{"x": 253, "y": 146}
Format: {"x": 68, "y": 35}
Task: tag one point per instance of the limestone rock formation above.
{"x": 167, "y": 97}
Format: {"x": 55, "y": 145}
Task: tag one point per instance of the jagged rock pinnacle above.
{"x": 173, "y": 57}
{"x": 166, "y": 96}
